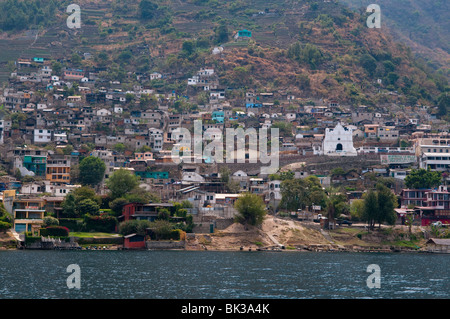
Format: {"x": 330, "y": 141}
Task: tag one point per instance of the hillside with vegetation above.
{"x": 311, "y": 49}
{"x": 422, "y": 25}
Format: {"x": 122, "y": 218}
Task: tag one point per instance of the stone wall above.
{"x": 203, "y": 226}
{"x": 157, "y": 245}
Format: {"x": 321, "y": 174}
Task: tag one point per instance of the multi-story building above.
{"x": 414, "y": 197}
{"x": 58, "y": 169}
{"x": 28, "y": 214}
{"x": 436, "y": 206}
{"x": 156, "y": 139}
{"x": 388, "y": 133}
{"x": 434, "y": 152}
{"x": 42, "y": 135}
{"x": 73, "y": 74}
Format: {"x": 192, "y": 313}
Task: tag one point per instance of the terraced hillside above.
{"x": 308, "y": 48}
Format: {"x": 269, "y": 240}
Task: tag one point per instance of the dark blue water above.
{"x": 229, "y": 275}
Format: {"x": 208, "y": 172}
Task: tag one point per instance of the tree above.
{"x": 221, "y": 33}
{"x": 422, "y": 178}
{"x": 6, "y": 220}
{"x": 57, "y": 67}
{"x": 299, "y": 193}
{"x": 379, "y": 206}
{"x": 443, "y": 103}
{"x": 50, "y": 221}
{"x": 409, "y": 221}
{"x": 387, "y": 201}
{"x": 121, "y": 182}
{"x": 69, "y": 206}
{"x": 134, "y": 227}
{"x": 147, "y": 9}
{"x": 369, "y": 63}
{"x": 116, "y": 205}
{"x": 76, "y": 59}
{"x": 160, "y": 229}
{"x": 370, "y": 208}
{"x": 88, "y": 206}
{"x": 293, "y": 192}
{"x": 357, "y": 209}
{"x": 284, "y": 127}
{"x": 251, "y": 210}
{"x": 92, "y": 170}
{"x": 72, "y": 206}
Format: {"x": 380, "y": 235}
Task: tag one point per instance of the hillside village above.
{"x": 52, "y": 121}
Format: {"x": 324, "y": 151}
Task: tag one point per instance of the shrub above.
{"x": 74, "y": 224}
{"x": 50, "y": 221}
{"x": 57, "y": 231}
{"x": 102, "y": 223}
{"x": 161, "y": 229}
{"x": 4, "y": 226}
{"x": 134, "y": 227}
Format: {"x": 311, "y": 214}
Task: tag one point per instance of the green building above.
{"x": 36, "y": 164}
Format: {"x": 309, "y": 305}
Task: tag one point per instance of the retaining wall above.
{"x": 155, "y": 245}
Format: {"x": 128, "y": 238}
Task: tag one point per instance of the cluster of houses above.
{"x": 77, "y": 108}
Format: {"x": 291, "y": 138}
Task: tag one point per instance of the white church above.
{"x": 338, "y": 141}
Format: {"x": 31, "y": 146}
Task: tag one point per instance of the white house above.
{"x": 194, "y": 80}
{"x": 103, "y": 112}
{"x": 155, "y": 75}
{"x": 42, "y": 136}
{"x": 60, "y": 137}
{"x": 338, "y": 141}
{"x": 274, "y": 193}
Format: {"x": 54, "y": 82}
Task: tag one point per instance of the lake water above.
{"x": 221, "y": 275}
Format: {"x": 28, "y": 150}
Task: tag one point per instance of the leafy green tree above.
{"x": 57, "y": 67}
{"x": 369, "y": 63}
{"x": 422, "y": 178}
{"x": 370, "y": 208}
{"x": 6, "y": 220}
{"x": 221, "y": 33}
{"x": 357, "y": 209}
{"x": 50, "y": 221}
{"x": 387, "y": 202}
{"x": 116, "y": 205}
{"x": 443, "y": 103}
{"x": 147, "y": 9}
{"x": 251, "y": 210}
{"x": 160, "y": 229}
{"x": 121, "y": 182}
{"x": 92, "y": 170}
{"x": 294, "y": 195}
{"x": 88, "y": 206}
{"x": 71, "y": 204}
{"x": 134, "y": 227}
{"x": 86, "y": 192}
{"x": 285, "y": 128}
{"x": 76, "y": 59}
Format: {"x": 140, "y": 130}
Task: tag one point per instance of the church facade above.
{"x": 338, "y": 141}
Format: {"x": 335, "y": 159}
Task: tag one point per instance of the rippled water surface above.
{"x": 207, "y": 274}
